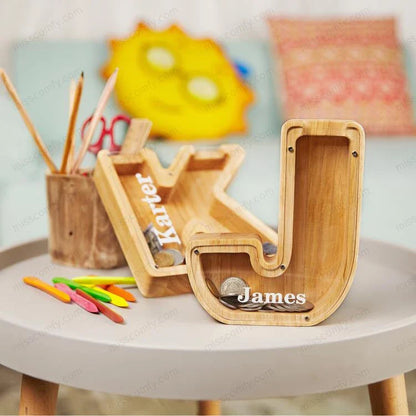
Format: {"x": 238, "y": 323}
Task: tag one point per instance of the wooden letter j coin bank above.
{"x": 238, "y": 280}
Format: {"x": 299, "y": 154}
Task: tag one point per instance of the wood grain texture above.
{"x": 80, "y": 233}
{"x": 192, "y": 189}
{"x": 102, "y": 102}
{"x": 320, "y": 202}
{"x": 209, "y": 407}
{"x": 37, "y": 397}
{"x": 70, "y": 137}
{"x": 136, "y": 136}
{"x": 389, "y": 397}
{"x": 72, "y": 88}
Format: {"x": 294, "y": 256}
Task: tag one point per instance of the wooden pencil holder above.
{"x": 320, "y": 201}
{"x": 189, "y": 196}
{"x": 80, "y": 233}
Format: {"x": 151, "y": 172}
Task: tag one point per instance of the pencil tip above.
{"x": 82, "y": 74}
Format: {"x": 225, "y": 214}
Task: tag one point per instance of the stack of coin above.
{"x": 168, "y": 257}
{"x": 232, "y": 287}
{"x": 233, "y": 303}
{"x": 163, "y": 257}
{"x": 152, "y": 239}
{"x": 275, "y": 307}
{"x": 288, "y": 307}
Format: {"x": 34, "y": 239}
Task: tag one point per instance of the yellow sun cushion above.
{"x": 186, "y": 86}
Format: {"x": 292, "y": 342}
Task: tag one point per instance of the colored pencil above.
{"x": 70, "y": 136}
{"x": 36, "y": 137}
{"x": 105, "y": 95}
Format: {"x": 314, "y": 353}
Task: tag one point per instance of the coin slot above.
{"x": 207, "y": 160}
{"x": 127, "y": 168}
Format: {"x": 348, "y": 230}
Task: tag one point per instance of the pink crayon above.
{"x": 79, "y": 300}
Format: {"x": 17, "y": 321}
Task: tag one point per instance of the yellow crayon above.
{"x": 105, "y": 280}
{"x": 115, "y": 299}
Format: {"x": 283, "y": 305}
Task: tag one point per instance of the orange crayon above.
{"x": 50, "y": 290}
{"x": 120, "y": 292}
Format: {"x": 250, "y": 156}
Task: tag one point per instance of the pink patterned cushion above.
{"x": 347, "y": 69}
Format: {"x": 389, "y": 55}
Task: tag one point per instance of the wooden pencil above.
{"x": 72, "y": 121}
{"x": 105, "y": 95}
{"x": 72, "y": 89}
{"x": 36, "y": 137}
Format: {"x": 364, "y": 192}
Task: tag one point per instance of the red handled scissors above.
{"x": 97, "y": 145}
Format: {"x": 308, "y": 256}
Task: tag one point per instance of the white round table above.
{"x": 171, "y": 348}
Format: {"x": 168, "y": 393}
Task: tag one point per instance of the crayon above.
{"x": 120, "y": 292}
{"x": 79, "y": 300}
{"x": 89, "y": 290}
{"x": 105, "y": 280}
{"x": 115, "y": 299}
{"x": 109, "y": 313}
{"x": 45, "y": 287}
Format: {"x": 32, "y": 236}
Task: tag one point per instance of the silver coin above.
{"x": 269, "y": 249}
{"x": 289, "y": 307}
{"x": 226, "y": 302}
{"x": 231, "y": 299}
{"x": 277, "y": 307}
{"x": 233, "y": 286}
{"x": 250, "y": 306}
{"x": 177, "y": 256}
{"x": 152, "y": 239}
